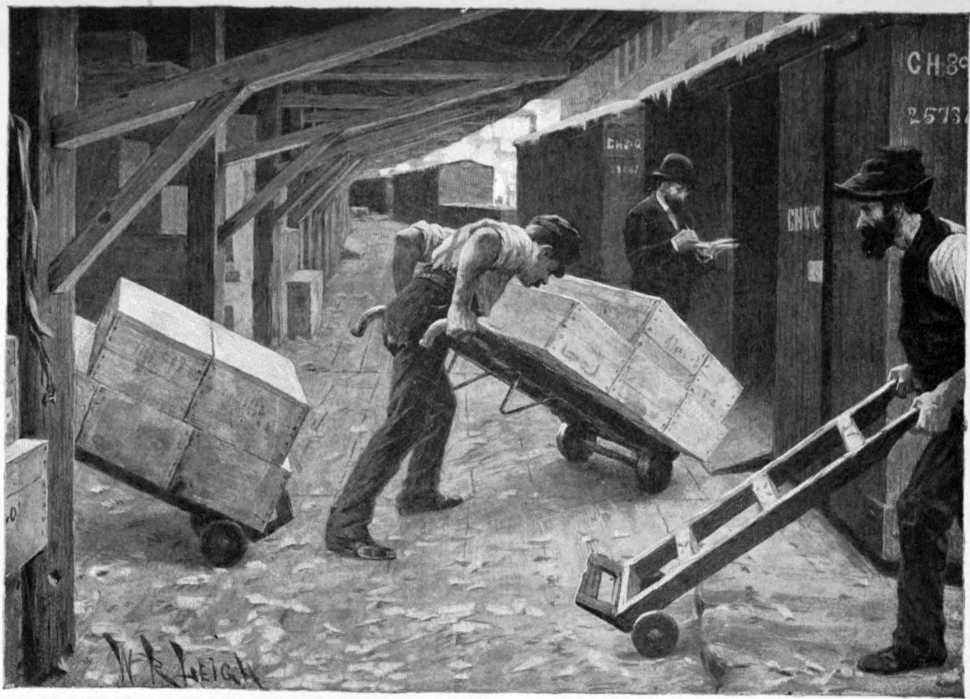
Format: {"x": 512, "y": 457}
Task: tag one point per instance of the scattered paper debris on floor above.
{"x": 530, "y": 664}
{"x": 457, "y": 611}
{"x": 193, "y": 603}
{"x": 785, "y": 612}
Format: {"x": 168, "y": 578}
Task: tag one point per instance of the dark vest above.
{"x": 931, "y": 329}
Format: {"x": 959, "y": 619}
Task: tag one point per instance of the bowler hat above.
{"x": 676, "y": 168}
{"x": 892, "y": 172}
{"x": 561, "y": 235}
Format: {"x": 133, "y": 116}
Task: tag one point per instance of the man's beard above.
{"x": 676, "y": 204}
{"x": 878, "y": 237}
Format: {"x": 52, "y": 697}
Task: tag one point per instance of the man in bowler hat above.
{"x": 661, "y": 243}
{"x": 891, "y": 192}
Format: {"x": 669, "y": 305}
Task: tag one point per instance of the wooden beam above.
{"x": 272, "y": 188}
{"x": 351, "y": 101}
{"x": 206, "y": 180}
{"x": 410, "y": 70}
{"x": 585, "y": 27}
{"x": 300, "y": 194}
{"x": 48, "y": 579}
{"x": 324, "y": 191}
{"x": 259, "y": 70}
{"x": 188, "y": 136}
{"x": 357, "y": 125}
{"x": 319, "y": 117}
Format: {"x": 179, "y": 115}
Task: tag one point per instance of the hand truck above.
{"x": 636, "y": 590}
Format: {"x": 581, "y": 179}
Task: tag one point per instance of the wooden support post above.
{"x": 325, "y": 191}
{"x": 48, "y": 579}
{"x": 206, "y": 179}
{"x": 268, "y": 192}
{"x": 264, "y": 229}
{"x": 192, "y": 131}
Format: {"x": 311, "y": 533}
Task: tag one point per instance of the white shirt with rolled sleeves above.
{"x": 947, "y": 279}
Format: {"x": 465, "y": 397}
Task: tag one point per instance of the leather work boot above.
{"x": 357, "y": 545}
{"x": 431, "y": 503}
{"x": 894, "y": 659}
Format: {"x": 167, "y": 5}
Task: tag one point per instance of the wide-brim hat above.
{"x": 676, "y": 168}
{"x": 891, "y": 172}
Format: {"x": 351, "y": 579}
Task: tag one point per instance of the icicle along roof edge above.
{"x": 665, "y": 88}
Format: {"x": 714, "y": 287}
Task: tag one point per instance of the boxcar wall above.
{"x": 374, "y": 193}
{"x": 591, "y": 174}
{"x": 417, "y": 194}
{"x": 466, "y": 182}
{"x": 914, "y": 92}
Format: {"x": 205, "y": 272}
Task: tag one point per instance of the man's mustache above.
{"x": 875, "y": 240}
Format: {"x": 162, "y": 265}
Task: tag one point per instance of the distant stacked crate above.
{"x": 632, "y": 349}
{"x": 187, "y": 406}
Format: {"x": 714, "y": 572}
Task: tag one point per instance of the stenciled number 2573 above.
{"x": 937, "y": 115}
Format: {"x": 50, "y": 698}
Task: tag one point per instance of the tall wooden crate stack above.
{"x": 188, "y": 407}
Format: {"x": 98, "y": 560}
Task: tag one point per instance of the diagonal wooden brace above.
{"x": 369, "y": 122}
{"x": 188, "y": 136}
{"x": 262, "y": 69}
{"x": 324, "y": 191}
{"x": 311, "y": 183}
{"x": 268, "y": 193}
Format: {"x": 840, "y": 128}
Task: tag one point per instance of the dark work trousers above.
{"x": 933, "y": 498}
{"x": 419, "y": 414}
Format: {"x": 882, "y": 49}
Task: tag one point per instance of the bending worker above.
{"x": 466, "y": 276}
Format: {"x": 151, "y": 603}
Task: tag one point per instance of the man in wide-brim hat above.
{"x": 891, "y": 191}
{"x": 661, "y": 243}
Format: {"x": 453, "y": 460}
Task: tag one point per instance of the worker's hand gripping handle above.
{"x": 431, "y": 334}
{"x": 358, "y": 328}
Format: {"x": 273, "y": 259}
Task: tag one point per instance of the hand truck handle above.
{"x": 431, "y": 334}
{"x": 358, "y": 328}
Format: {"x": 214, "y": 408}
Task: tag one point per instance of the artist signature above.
{"x": 185, "y": 671}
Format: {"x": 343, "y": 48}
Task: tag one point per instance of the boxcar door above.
{"x": 801, "y": 182}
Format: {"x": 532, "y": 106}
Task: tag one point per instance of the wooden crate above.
{"x": 133, "y": 435}
{"x": 304, "y": 295}
{"x": 148, "y": 346}
{"x": 666, "y": 381}
{"x": 664, "y": 340}
{"x": 12, "y": 392}
{"x": 234, "y": 483}
{"x": 250, "y": 397}
{"x": 25, "y": 499}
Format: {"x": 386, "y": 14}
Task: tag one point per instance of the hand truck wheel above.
{"x": 198, "y": 521}
{"x": 223, "y": 543}
{"x": 655, "y": 634}
{"x": 653, "y": 473}
{"x": 572, "y": 439}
